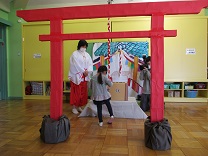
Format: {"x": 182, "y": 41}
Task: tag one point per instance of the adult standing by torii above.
{"x": 81, "y": 67}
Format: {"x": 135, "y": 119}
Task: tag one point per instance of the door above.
{"x": 3, "y": 63}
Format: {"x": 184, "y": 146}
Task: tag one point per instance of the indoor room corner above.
{"x": 27, "y": 102}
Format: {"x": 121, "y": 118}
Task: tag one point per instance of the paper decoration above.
{"x": 135, "y": 86}
{"x": 99, "y": 64}
{"x": 132, "y": 48}
{"x": 132, "y": 66}
{"x": 129, "y": 82}
{"x": 94, "y": 67}
{"x": 111, "y": 60}
{"x": 125, "y": 57}
{"x": 106, "y": 62}
{"x": 129, "y": 64}
{"x": 126, "y": 62}
{"x": 100, "y": 49}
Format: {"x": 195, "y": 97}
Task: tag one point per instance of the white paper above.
{"x": 190, "y": 51}
{"x": 36, "y": 55}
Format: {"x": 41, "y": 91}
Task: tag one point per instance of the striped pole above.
{"x": 120, "y": 63}
{"x": 109, "y": 30}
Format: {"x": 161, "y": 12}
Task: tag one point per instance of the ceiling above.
{"x": 61, "y": 3}
{"x": 36, "y": 4}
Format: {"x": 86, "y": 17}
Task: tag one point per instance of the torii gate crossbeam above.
{"x": 157, "y": 33}
{"x": 114, "y": 10}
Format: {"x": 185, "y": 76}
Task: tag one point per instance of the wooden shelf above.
{"x": 36, "y": 97}
{"x": 174, "y": 89}
{"x": 45, "y": 89}
{"x": 195, "y": 89}
{"x": 202, "y": 95}
{"x": 184, "y": 99}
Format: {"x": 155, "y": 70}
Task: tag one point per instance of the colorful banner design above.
{"x": 127, "y": 50}
{"x": 121, "y": 56}
{"x": 133, "y": 48}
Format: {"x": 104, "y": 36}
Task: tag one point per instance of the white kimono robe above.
{"x": 79, "y": 62}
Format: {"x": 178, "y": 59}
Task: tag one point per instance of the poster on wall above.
{"x": 36, "y": 56}
{"x": 121, "y": 57}
{"x": 190, "y": 51}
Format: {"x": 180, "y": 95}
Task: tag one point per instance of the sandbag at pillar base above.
{"x": 53, "y": 131}
{"x": 158, "y": 135}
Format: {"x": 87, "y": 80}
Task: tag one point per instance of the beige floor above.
{"x": 20, "y": 122}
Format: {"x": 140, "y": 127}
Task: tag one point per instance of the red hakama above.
{"x": 79, "y": 94}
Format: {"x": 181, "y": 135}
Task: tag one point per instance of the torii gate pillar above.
{"x": 157, "y": 69}
{"x": 56, "y": 44}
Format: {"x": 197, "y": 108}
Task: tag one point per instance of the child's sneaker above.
{"x": 100, "y": 124}
{"x": 110, "y": 121}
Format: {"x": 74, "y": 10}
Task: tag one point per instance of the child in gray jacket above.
{"x": 100, "y": 95}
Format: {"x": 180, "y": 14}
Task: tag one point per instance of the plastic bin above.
{"x": 191, "y": 93}
{"x": 177, "y": 94}
{"x": 174, "y": 86}
{"x": 170, "y": 93}
{"x": 166, "y": 86}
{"x": 189, "y": 87}
{"x": 200, "y": 86}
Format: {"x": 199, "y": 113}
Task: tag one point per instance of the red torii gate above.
{"x": 156, "y": 10}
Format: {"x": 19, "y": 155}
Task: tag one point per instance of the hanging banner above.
{"x": 121, "y": 57}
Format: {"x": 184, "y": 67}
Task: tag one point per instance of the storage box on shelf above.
{"x": 186, "y": 91}
{"x": 191, "y": 93}
{"x": 170, "y": 93}
{"x": 166, "y": 86}
{"x": 175, "y": 86}
{"x": 200, "y": 86}
{"x": 188, "y": 87}
{"x": 177, "y": 94}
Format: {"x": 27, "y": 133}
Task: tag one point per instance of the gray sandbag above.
{"x": 53, "y": 131}
{"x": 158, "y": 135}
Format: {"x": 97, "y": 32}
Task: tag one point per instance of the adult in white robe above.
{"x": 81, "y": 67}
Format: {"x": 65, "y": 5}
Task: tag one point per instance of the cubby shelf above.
{"x": 201, "y": 97}
{"x": 42, "y": 90}
{"x": 202, "y": 94}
